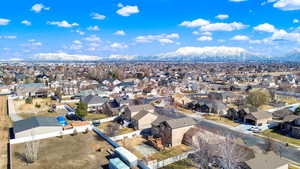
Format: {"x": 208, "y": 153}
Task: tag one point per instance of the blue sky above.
{"x": 95, "y": 29}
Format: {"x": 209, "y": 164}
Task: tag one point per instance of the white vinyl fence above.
{"x": 155, "y": 165}
{"x": 128, "y": 135}
{"x": 52, "y": 134}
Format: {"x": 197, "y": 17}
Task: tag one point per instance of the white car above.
{"x": 255, "y": 129}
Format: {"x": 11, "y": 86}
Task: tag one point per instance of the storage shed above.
{"x": 116, "y": 163}
{"x": 126, "y": 156}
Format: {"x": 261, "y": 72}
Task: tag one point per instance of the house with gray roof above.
{"x": 94, "y": 103}
{"x": 35, "y": 126}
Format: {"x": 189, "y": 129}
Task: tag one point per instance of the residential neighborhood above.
{"x": 159, "y": 118}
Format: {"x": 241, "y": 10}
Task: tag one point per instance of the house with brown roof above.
{"x": 172, "y": 131}
{"x": 143, "y": 119}
{"x": 258, "y": 118}
{"x": 130, "y": 111}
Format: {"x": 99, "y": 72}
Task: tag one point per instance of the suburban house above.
{"x": 143, "y": 120}
{"x": 291, "y": 125}
{"x": 32, "y": 90}
{"x": 130, "y": 111}
{"x": 172, "y": 131}
{"x": 258, "y": 118}
{"x": 208, "y": 106}
{"x": 35, "y": 126}
{"x": 267, "y": 161}
{"x": 94, "y": 103}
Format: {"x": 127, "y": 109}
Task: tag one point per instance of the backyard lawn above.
{"x": 96, "y": 116}
{"x": 169, "y": 152}
{"x": 182, "y": 164}
{"x": 276, "y": 135}
{"x": 72, "y": 152}
{"x": 28, "y": 115}
{"x": 121, "y": 130}
{"x": 220, "y": 119}
{"x": 44, "y": 105}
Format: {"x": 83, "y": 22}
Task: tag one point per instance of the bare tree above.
{"x": 31, "y": 151}
{"x": 220, "y": 151}
{"x": 203, "y": 156}
{"x": 231, "y": 153}
{"x": 112, "y": 129}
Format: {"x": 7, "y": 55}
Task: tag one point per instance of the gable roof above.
{"x": 181, "y": 122}
{"x": 261, "y": 114}
{"x": 90, "y": 99}
{"x": 141, "y": 114}
{"x": 36, "y": 121}
{"x": 266, "y": 161}
{"x": 137, "y": 108}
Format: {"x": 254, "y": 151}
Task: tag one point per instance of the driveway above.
{"x": 244, "y": 128}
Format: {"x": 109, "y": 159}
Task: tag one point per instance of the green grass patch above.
{"x": 96, "y": 116}
{"x": 222, "y": 120}
{"x": 279, "y": 136}
{"x": 170, "y": 152}
{"x": 182, "y": 164}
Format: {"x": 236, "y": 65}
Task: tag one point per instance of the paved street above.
{"x": 290, "y": 153}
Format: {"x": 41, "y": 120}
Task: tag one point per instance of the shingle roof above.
{"x": 137, "y": 108}
{"x": 35, "y": 121}
{"x": 90, "y": 99}
{"x": 261, "y": 114}
{"x": 140, "y": 115}
{"x": 266, "y": 161}
{"x": 181, "y": 122}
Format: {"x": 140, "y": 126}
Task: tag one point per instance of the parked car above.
{"x": 96, "y": 123}
{"x": 73, "y": 117}
{"x": 255, "y": 129}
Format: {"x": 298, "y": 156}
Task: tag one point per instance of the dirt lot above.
{"x": 69, "y": 152}
{"x": 22, "y": 107}
{"x": 4, "y": 125}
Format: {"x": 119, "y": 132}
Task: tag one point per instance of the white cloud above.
{"x": 8, "y": 37}
{"x": 120, "y": 5}
{"x": 39, "y": 7}
{"x": 26, "y": 22}
{"x": 128, "y": 10}
{"x": 79, "y": 32}
{"x": 295, "y": 20}
{"x": 121, "y": 57}
{"x": 61, "y": 56}
{"x": 222, "y": 16}
{"x": 205, "y": 38}
{"x": 223, "y": 26}
{"x": 93, "y": 28}
{"x": 195, "y": 23}
{"x": 98, "y": 16}
{"x": 287, "y": 5}
{"x": 77, "y": 42}
{"x": 93, "y": 38}
{"x": 204, "y": 52}
{"x": 118, "y": 45}
{"x": 266, "y": 27}
{"x": 240, "y": 38}
{"x": 120, "y": 32}
{"x": 206, "y": 33}
{"x": 15, "y": 59}
{"x": 4, "y": 22}
{"x": 160, "y": 38}
{"x": 166, "y": 41}
{"x": 64, "y": 24}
